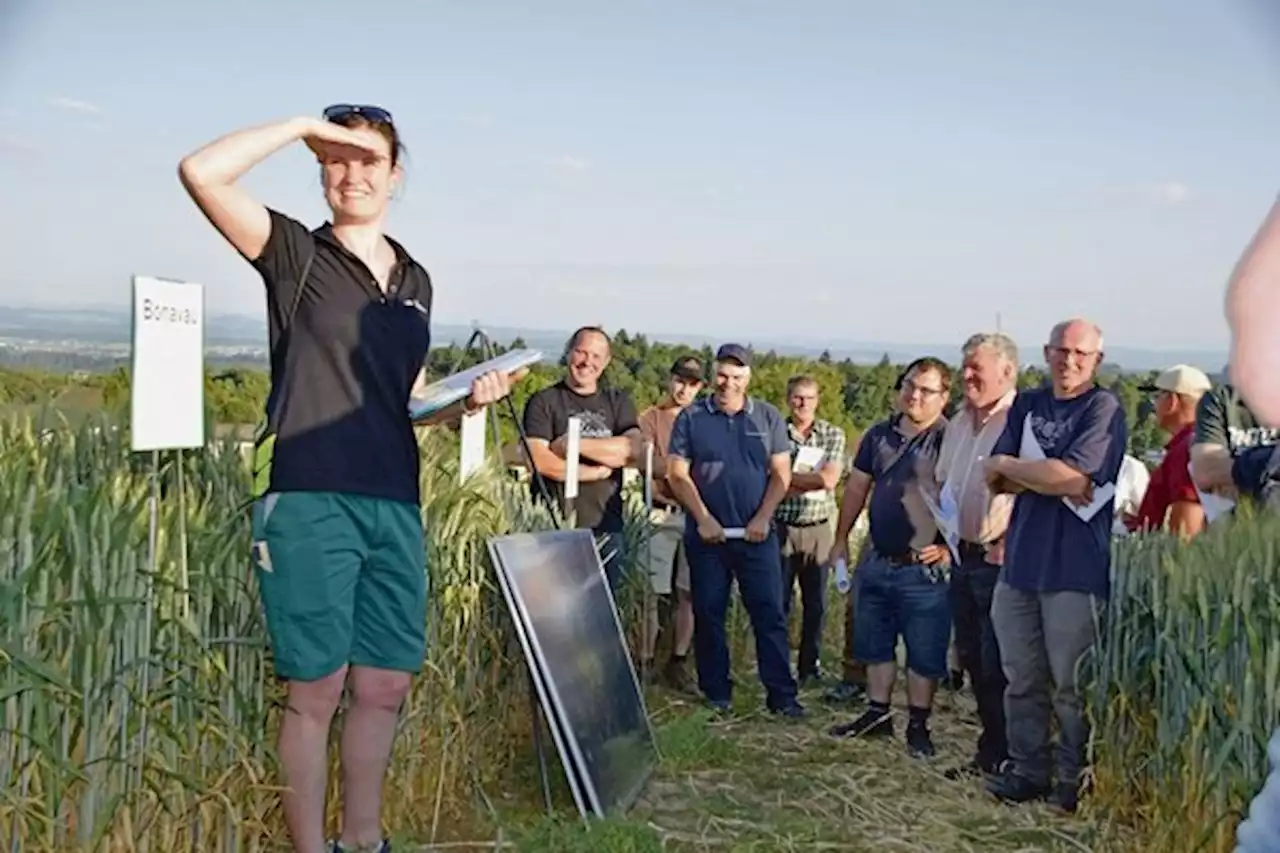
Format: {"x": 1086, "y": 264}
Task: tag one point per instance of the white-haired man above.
{"x": 990, "y": 375}
{"x": 1060, "y": 454}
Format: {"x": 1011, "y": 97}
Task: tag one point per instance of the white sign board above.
{"x": 167, "y": 385}
{"x": 472, "y": 452}
{"x": 572, "y": 452}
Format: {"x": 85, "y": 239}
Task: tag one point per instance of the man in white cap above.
{"x": 1171, "y": 500}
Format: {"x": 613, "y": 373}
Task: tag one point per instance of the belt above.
{"x": 817, "y": 523}
{"x": 668, "y": 507}
{"x": 974, "y": 550}
{"x": 900, "y": 559}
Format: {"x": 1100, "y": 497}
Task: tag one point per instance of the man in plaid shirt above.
{"x": 806, "y": 516}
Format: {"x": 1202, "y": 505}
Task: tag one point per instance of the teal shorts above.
{"x": 343, "y": 581}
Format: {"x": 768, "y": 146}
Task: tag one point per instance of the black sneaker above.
{"x": 919, "y": 742}
{"x": 792, "y": 711}
{"x": 646, "y": 673}
{"x": 384, "y": 847}
{"x": 870, "y": 724}
{"x": 675, "y": 675}
{"x": 720, "y": 707}
{"x": 1065, "y": 798}
{"x": 969, "y": 770}
{"x": 1012, "y": 788}
{"x": 810, "y": 680}
{"x": 975, "y": 768}
{"x": 845, "y": 693}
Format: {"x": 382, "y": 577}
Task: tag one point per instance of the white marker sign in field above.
{"x": 167, "y": 385}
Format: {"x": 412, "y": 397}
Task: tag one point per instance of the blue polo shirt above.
{"x": 729, "y": 455}
{"x": 1048, "y": 548}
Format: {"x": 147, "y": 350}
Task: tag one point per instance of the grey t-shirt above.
{"x": 1223, "y": 418}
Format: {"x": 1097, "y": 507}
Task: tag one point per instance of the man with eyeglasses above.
{"x": 901, "y": 583}
{"x": 1060, "y": 455}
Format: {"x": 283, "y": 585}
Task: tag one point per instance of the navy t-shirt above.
{"x": 900, "y": 466}
{"x": 729, "y": 456}
{"x": 1048, "y": 548}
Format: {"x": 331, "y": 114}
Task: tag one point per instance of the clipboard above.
{"x": 451, "y": 389}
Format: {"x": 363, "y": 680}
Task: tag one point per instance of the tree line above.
{"x": 853, "y": 395}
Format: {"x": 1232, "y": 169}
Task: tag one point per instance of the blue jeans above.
{"x": 906, "y": 601}
{"x": 757, "y": 568}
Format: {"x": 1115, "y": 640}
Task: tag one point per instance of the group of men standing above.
{"x": 993, "y": 526}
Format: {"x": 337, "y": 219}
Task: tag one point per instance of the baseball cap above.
{"x": 1180, "y": 379}
{"x": 687, "y": 367}
{"x": 734, "y": 352}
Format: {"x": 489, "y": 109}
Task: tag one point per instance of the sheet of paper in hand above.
{"x": 1031, "y": 449}
{"x": 946, "y": 514}
{"x": 1215, "y": 506}
{"x": 456, "y": 386}
{"x": 807, "y": 459}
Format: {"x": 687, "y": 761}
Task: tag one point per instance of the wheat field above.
{"x": 138, "y": 706}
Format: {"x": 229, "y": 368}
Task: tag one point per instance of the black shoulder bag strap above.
{"x": 302, "y": 285}
{"x": 264, "y": 441}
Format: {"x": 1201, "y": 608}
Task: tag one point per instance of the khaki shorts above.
{"x": 668, "y": 563}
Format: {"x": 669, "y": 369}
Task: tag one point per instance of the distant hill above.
{"x": 107, "y": 328}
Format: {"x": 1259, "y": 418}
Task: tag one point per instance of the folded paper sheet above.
{"x": 1102, "y": 495}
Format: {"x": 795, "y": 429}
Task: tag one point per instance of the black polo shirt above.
{"x": 341, "y": 373}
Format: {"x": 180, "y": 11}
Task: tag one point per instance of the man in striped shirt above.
{"x": 806, "y": 516}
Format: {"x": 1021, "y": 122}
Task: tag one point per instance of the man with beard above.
{"x": 669, "y": 566}
{"x": 1062, "y": 443}
{"x": 901, "y": 588}
{"x": 610, "y": 441}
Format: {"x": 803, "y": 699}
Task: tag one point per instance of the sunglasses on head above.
{"x": 339, "y": 112}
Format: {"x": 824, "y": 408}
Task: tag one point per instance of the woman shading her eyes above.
{"x": 337, "y": 526}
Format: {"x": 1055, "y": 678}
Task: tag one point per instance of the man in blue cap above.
{"x": 729, "y": 465}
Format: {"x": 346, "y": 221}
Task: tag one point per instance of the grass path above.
{"x": 754, "y": 783}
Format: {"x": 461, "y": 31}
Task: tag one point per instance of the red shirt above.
{"x": 1170, "y": 483}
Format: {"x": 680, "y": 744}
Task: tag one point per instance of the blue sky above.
{"x": 862, "y": 171}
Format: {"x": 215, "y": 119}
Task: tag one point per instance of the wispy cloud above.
{"x": 1172, "y": 193}
{"x": 16, "y": 144}
{"x": 75, "y": 105}
{"x": 569, "y": 163}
